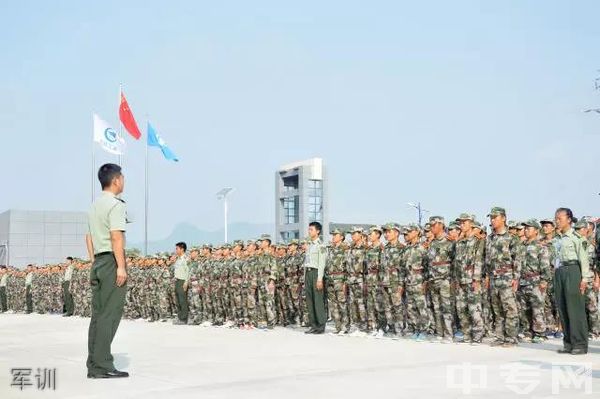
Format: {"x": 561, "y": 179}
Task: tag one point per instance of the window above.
{"x": 290, "y": 235}
{"x": 291, "y": 212}
{"x": 315, "y": 201}
{"x": 290, "y": 183}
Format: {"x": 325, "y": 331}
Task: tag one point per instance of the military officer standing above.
{"x": 314, "y": 264}
{"x": 106, "y": 248}
{"x": 570, "y": 283}
{"x": 182, "y": 277}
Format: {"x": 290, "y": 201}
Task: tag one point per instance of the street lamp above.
{"x": 222, "y": 195}
{"x": 420, "y": 211}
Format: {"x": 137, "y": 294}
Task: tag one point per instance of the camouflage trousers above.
{"x": 237, "y": 305}
{"x": 249, "y": 296}
{"x": 266, "y": 305}
{"x": 468, "y": 307}
{"x": 550, "y": 311}
{"x": 389, "y": 302}
{"x": 358, "y": 310}
{"x": 487, "y": 312}
{"x": 217, "y": 305}
{"x": 591, "y": 308}
{"x": 373, "y": 316}
{"x": 281, "y": 304}
{"x": 206, "y": 310}
{"x": 194, "y": 304}
{"x": 164, "y": 308}
{"x": 292, "y": 297}
{"x": 531, "y": 309}
{"x": 442, "y": 307}
{"x": 504, "y": 303}
{"x": 338, "y": 306}
{"x": 416, "y": 309}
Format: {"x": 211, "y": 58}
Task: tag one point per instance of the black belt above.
{"x": 569, "y": 263}
{"x": 103, "y": 254}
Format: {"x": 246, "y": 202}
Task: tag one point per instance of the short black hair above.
{"x": 568, "y": 212}
{"x": 317, "y": 226}
{"x": 182, "y": 245}
{"x": 107, "y": 173}
{"x": 69, "y": 258}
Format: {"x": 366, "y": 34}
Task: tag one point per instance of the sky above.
{"x": 460, "y": 105}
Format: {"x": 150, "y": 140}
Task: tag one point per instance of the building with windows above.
{"x": 41, "y": 237}
{"x": 301, "y": 197}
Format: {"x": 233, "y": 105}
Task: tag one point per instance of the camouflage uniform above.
{"x": 266, "y": 269}
{"x": 440, "y": 256}
{"x": 336, "y": 275}
{"x": 356, "y": 273}
{"x": 390, "y": 296}
{"x": 412, "y": 276}
{"x": 504, "y": 265}
{"x": 591, "y": 296}
{"x": 535, "y": 270}
{"x": 373, "y": 264}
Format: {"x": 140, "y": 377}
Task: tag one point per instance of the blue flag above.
{"x": 154, "y": 140}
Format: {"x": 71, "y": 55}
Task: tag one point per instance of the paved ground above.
{"x": 167, "y": 361}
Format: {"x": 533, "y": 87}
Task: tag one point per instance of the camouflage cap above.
{"x": 294, "y": 241}
{"x": 250, "y": 242}
{"x": 511, "y": 224}
{"x": 337, "y": 231}
{"x": 238, "y": 242}
{"x": 357, "y": 229}
{"x": 476, "y": 225}
{"x": 532, "y": 223}
{"x": 427, "y": 227}
{"x": 264, "y": 237}
{"x": 391, "y": 226}
{"x": 581, "y": 224}
{"x": 226, "y": 246}
{"x": 588, "y": 219}
{"x": 465, "y": 216}
{"x": 495, "y": 211}
{"x": 437, "y": 219}
{"x": 548, "y": 221}
{"x": 453, "y": 225}
{"x": 411, "y": 227}
{"x": 207, "y": 246}
{"x": 376, "y": 228}
{"x": 519, "y": 226}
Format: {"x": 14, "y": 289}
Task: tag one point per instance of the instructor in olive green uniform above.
{"x": 106, "y": 248}
{"x": 314, "y": 265}
{"x": 570, "y": 282}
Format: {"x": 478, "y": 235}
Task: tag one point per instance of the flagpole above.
{"x": 120, "y": 124}
{"x": 146, "y": 203}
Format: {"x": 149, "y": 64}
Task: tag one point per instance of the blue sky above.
{"x": 460, "y": 105}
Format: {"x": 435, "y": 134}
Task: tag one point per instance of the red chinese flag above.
{"x": 127, "y": 118}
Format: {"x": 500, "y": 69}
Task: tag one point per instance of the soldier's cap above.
{"x": 497, "y": 211}
{"x": 264, "y": 237}
{"x": 294, "y": 241}
{"x": 250, "y": 242}
{"x": 519, "y": 226}
{"x": 427, "y": 227}
{"x": 392, "y": 226}
{"x": 238, "y": 242}
{"x": 357, "y": 229}
{"x": 548, "y": 221}
{"x": 437, "y": 219}
{"x": 226, "y": 246}
{"x": 476, "y": 225}
{"x": 207, "y": 246}
{"x": 411, "y": 227}
{"x": 337, "y": 231}
{"x": 376, "y": 228}
{"x": 453, "y": 225}
{"x": 511, "y": 224}
{"x": 465, "y": 216}
{"x": 581, "y": 224}
{"x": 532, "y": 223}
{"x": 588, "y": 219}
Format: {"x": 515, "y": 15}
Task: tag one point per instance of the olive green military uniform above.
{"x": 107, "y": 214}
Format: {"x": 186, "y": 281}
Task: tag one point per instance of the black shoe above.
{"x": 579, "y": 351}
{"x": 319, "y": 331}
{"x": 564, "y": 351}
{"x": 67, "y": 315}
{"x": 310, "y": 331}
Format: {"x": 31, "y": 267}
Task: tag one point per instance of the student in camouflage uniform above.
{"x": 390, "y": 295}
{"x": 372, "y": 265}
{"x": 336, "y": 277}
{"x": 293, "y": 270}
{"x": 468, "y": 265}
{"x": 550, "y": 311}
{"x": 251, "y": 286}
{"x": 535, "y": 274}
{"x": 356, "y": 272}
{"x": 502, "y": 259}
{"x": 236, "y": 283}
{"x": 3, "y": 284}
{"x": 440, "y": 256}
{"x": 412, "y": 279}
{"x": 266, "y": 271}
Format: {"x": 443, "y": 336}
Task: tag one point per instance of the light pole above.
{"x": 420, "y": 211}
{"x": 222, "y": 195}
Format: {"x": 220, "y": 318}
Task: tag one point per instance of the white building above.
{"x": 41, "y": 237}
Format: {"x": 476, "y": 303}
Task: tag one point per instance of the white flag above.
{"x": 107, "y": 137}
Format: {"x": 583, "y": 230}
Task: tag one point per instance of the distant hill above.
{"x": 193, "y": 235}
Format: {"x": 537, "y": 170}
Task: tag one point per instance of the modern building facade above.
{"x": 301, "y": 197}
{"x": 41, "y": 237}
